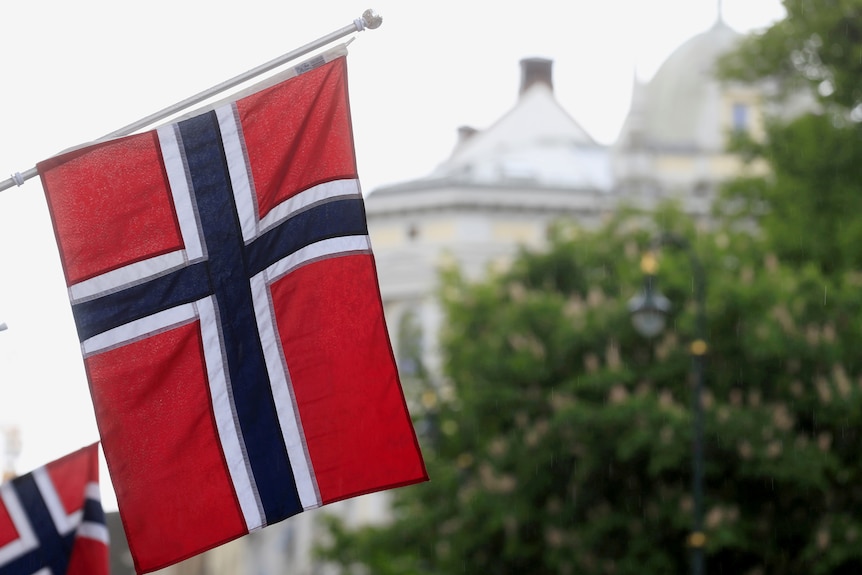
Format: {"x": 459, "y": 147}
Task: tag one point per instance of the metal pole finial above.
{"x": 372, "y": 19}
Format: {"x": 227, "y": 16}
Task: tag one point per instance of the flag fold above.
{"x": 226, "y": 299}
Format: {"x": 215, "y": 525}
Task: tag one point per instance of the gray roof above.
{"x": 537, "y": 141}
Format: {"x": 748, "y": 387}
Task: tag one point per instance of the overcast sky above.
{"x": 75, "y": 71}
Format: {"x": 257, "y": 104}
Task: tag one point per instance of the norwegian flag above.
{"x": 51, "y": 520}
{"x": 226, "y": 299}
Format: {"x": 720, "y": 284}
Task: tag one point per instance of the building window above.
{"x": 409, "y": 338}
{"x": 412, "y": 232}
{"x": 702, "y": 189}
{"x": 288, "y": 541}
{"x": 740, "y": 117}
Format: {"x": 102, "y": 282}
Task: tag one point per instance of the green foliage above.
{"x": 817, "y": 48}
{"x": 563, "y": 442}
{"x": 808, "y": 205}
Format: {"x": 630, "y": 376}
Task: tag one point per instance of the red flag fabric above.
{"x": 51, "y": 519}
{"x": 226, "y": 299}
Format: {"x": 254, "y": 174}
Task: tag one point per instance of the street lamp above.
{"x": 649, "y": 311}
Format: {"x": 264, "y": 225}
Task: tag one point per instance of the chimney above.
{"x": 465, "y": 133}
{"x": 535, "y": 71}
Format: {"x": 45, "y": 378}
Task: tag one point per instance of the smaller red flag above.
{"x": 51, "y": 519}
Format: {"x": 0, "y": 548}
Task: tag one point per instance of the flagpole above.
{"x": 369, "y": 19}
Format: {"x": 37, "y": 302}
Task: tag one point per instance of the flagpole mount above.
{"x": 369, "y": 20}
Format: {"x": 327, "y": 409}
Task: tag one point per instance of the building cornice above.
{"x": 437, "y": 195}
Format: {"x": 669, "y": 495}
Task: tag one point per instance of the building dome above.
{"x": 677, "y": 108}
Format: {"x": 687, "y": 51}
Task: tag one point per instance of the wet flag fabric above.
{"x": 51, "y": 519}
{"x": 226, "y": 299}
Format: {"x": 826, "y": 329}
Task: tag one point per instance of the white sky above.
{"x": 75, "y": 71}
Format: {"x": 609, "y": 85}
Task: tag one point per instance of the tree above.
{"x": 562, "y": 443}
{"x": 807, "y": 206}
{"x": 816, "y": 48}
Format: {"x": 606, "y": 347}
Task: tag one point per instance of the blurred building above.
{"x": 501, "y": 188}
{"x": 504, "y": 185}
{"x": 284, "y": 548}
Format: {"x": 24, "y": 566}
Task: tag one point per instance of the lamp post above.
{"x": 648, "y": 311}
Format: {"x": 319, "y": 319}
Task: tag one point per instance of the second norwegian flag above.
{"x": 226, "y": 299}
{"x": 51, "y": 519}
